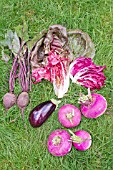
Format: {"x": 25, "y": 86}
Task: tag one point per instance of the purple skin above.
{"x": 9, "y": 99}
{"x": 69, "y": 116}
{"x": 59, "y": 143}
{"x": 22, "y": 102}
{"x": 87, "y": 141}
{"x": 95, "y": 108}
{"x": 41, "y": 113}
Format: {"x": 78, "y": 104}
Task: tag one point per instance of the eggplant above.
{"x": 42, "y": 112}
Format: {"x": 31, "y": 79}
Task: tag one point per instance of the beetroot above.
{"x": 69, "y": 116}
{"x": 22, "y": 102}
{"x": 86, "y": 140}
{"x": 95, "y": 107}
{"x": 59, "y": 143}
{"x": 9, "y": 99}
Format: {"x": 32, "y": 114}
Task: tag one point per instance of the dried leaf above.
{"x": 55, "y": 39}
{"x": 81, "y": 44}
{"x": 32, "y": 43}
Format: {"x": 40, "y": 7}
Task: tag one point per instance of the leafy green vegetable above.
{"x": 22, "y": 31}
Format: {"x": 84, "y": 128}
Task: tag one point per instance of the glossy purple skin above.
{"x": 63, "y": 147}
{"x": 96, "y": 108}
{"x": 41, "y": 113}
{"x": 85, "y": 136}
{"x": 64, "y": 110}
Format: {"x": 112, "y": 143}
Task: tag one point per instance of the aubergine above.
{"x": 42, "y": 112}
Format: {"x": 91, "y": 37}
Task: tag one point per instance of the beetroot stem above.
{"x": 13, "y": 71}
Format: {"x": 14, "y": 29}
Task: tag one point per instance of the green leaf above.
{"x": 3, "y": 43}
{"x": 5, "y": 57}
{"x": 8, "y": 39}
{"x": 18, "y": 30}
{"x": 33, "y": 41}
{"x": 15, "y": 43}
{"x": 22, "y": 31}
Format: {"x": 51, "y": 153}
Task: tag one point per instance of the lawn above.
{"x": 22, "y": 149}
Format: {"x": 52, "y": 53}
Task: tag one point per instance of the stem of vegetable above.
{"x": 85, "y": 99}
{"x": 14, "y": 70}
{"x": 75, "y": 138}
{"x": 70, "y": 116}
{"x": 56, "y": 102}
{"x": 56, "y": 140}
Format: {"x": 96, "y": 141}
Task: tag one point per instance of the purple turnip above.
{"x": 94, "y": 107}
{"x": 42, "y": 112}
{"x": 86, "y": 140}
{"x": 59, "y": 143}
{"x": 69, "y": 116}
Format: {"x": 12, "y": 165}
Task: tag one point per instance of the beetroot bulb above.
{"x": 22, "y": 102}
{"x": 9, "y": 99}
{"x": 24, "y": 80}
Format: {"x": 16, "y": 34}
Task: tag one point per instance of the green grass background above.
{"x": 27, "y": 150}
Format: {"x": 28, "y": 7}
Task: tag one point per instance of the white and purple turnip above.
{"x": 86, "y": 140}
{"x": 59, "y": 143}
{"x": 69, "y": 116}
{"x": 94, "y": 107}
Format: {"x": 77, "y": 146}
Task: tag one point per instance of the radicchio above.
{"x": 56, "y": 71}
{"x": 84, "y": 72}
{"x": 60, "y": 77}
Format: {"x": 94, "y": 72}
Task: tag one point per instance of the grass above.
{"x": 27, "y": 150}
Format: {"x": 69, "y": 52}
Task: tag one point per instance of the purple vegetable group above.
{"x": 92, "y": 106}
{"x": 60, "y": 141}
{"x": 56, "y": 58}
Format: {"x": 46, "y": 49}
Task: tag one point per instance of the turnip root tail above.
{"x": 22, "y": 102}
{"x": 9, "y": 99}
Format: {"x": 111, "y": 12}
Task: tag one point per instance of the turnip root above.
{"x": 22, "y": 102}
{"x": 59, "y": 143}
{"x": 86, "y": 140}
{"x": 9, "y": 99}
{"x": 92, "y": 105}
{"x": 69, "y": 116}
{"x": 95, "y": 108}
